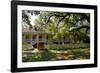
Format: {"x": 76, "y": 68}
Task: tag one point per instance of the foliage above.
{"x": 58, "y": 54}
{"x": 60, "y": 24}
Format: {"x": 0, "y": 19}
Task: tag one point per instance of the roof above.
{"x": 32, "y": 31}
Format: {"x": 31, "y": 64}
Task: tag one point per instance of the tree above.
{"x": 60, "y": 24}
{"x": 26, "y": 17}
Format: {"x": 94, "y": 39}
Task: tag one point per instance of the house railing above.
{"x": 34, "y": 41}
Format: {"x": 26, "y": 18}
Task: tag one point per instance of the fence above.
{"x": 70, "y": 45}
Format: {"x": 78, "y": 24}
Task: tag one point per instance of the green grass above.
{"x": 54, "y": 54}
{"x": 45, "y": 55}
{"x": 59, "y": 54}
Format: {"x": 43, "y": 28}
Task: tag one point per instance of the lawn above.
{"x": 53, "y": 54}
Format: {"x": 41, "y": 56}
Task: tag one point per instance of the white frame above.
{"x": 54, "y": 63}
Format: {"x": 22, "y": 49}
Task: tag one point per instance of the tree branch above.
{"x": 56, "y": 16}
{"x": 79, "y": 27}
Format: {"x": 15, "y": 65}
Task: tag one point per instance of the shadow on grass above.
{"x": 54, "y": 55}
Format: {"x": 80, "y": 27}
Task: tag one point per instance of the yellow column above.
{"x": 37, "y": 39}
{"x": 23, "y": 37}
{"x": 30, "y": 37}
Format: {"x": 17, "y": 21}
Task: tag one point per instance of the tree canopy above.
{"x": 61, "y": 24}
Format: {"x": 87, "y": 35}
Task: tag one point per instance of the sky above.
{"x": 32, "y": 18}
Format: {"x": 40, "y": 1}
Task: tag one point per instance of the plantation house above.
{"x": 35, "y": 38}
